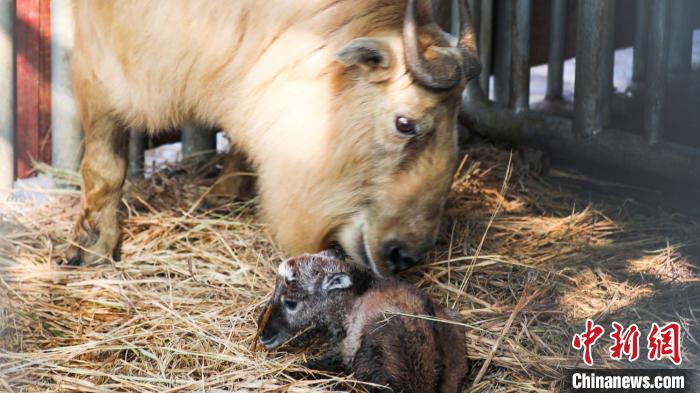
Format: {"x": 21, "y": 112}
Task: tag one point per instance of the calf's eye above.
{"x": 291, "y": 305}
{"x": 406, "y": 126}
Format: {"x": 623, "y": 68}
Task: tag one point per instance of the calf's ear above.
{"x": 372, "y": 55}
{"x": 336, "y": 281}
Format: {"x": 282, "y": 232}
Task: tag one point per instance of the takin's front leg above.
{"x": 103, "y": 170}
{"x": 235, "y": 182}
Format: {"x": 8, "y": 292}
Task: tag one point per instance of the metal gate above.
{"x": 645, "y": 143}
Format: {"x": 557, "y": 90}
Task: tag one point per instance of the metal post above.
{"x": 520, "y": 55}
{"x": 681, "y": 37}
{"x": 501, "y": 66}
{"x": 66, "y": 134}
{"x": 557, "y": 43}
{"x": 485, "y": 44}
{"x": 137, "y": 146}
{"x": 198, "y": 142}
{"x": 593, "y": 89}
{"x": 641, "y": 42}
{"x": 608, "y": 59}
{"x": 657, "y": 66}
{"x": 7, "y": 104}
{"x": 613, "y": 149}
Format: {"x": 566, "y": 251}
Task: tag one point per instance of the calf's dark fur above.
{"x": 382, "y": 330}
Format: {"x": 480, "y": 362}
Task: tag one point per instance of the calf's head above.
{"x": 310, "y": 291}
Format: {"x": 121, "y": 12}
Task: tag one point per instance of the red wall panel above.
{"x": 33, "y": 62}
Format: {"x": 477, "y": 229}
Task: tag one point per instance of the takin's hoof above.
{"x": 216, "y": 201}
{"x": 79, "y": 257}
{"x": 117, "y": 252}
{"x": 74, "y": 257}
{"x": 74, "y": 261}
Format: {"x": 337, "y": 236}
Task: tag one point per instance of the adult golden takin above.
{"x": 345, "y": 109}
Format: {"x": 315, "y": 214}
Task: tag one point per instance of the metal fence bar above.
{"x": 641, "y": 42}
{"x": 485, "y": 44}
{"x": 613, "y": 149}
{"x": 593, "y": 86}
{"x": 198, "y": 142}
{"x": 557, "y": 42}
{"x": 578, "y": 138}
{"x": 608, "y": 51}
{"x": 680, "y": 49}
{"x": 657, "y": 66}
{"x": 520, "y": 55}
{"x": 7, "y": 104}
{"x": 137, "y": 147}
{"x": 66, "y": 134}
{"x": 501, "y": 61}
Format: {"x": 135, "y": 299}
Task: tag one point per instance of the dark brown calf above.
{"x": 382, "y": 330}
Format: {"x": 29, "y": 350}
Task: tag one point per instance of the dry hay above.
{"x": 524, "y": 262}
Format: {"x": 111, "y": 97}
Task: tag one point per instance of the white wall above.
{"x": 66, "y": 134}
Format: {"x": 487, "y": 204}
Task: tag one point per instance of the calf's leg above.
{"x": 96, "y": 233}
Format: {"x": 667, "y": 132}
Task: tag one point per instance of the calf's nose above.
{"x": 268, "y": 338}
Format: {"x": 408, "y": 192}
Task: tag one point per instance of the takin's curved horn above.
{"x": 467, "y": 42}
{"x": 442, "y": 73}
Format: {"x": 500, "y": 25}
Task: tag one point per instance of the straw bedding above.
{"x": 524, "y": 259}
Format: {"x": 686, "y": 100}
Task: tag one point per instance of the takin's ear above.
{"x": 336, "y": 281}
{"x": 373, "y": 55}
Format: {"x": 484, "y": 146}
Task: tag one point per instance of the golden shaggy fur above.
{"x": 319, "y": 132}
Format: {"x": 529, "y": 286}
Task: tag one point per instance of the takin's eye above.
{"x": 290, "y": 305}
{"x": 406, "y": 126}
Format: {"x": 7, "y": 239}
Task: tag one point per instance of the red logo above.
{"x": 586, "y": 340}
{"x": 665, "y": 342}
{"x": 626, "y": 343}
{"x": 662, "y": 342}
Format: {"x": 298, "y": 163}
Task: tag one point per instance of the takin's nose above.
{"x": 399, "y": 257}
